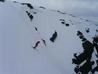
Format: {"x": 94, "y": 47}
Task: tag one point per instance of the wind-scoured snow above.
{"x": 37, "y": 40}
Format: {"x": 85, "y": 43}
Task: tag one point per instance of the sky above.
{"x": 83, "y": 8}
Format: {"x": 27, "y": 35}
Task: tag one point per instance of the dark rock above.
{"x": 44, "y": 41}
{"x": 96, "y": 39}
{"x": 30, "y": 16}
{"x": 36, "y": 29}
{"x": 2, "y": 0}
{"x": 96, "y": 30}
{"x": 36, "y": 45}
{"x": 76, "y": 69}
{"x": 28, "y": 4}
{"x": 83, "y": 39}
{"x": 34, "y": 12}
{"x": 42, "y": 7}
{"x": 94, "y": 70}
{"x": 95, "y": 42}
{"x": 67, "y": 24}
{"x": 61, "y": 12}
{"x": 86, "y": 55}
{"x": 81, "y": 36}
{"x": 88, "y": 30}
{"x": 54, "y": 36}
{"x": 63, "y": 22}
{"x": 86, "y": 67}
{"x": 79, "y": 33}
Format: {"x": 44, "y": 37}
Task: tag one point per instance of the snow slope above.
{"x": 19, "y": 35}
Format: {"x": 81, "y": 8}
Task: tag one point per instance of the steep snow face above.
{"x": 36, "y": 40}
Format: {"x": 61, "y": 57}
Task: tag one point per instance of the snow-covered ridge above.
{"x": 37, "y": 40}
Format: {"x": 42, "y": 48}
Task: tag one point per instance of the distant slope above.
{"x": 37, "y": 40}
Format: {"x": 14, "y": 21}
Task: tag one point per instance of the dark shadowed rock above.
{"x": 95, "y": 42}
{"x": 87, "y": 30}
{"x": 79, "y": 33}
{"x": 54, "y": 36}
{"x": 87, "y": 52}
{"x": 96, "y": 30}
{"x": 42, "y": 7}
{"x": 81, "y": 36}
{"x": 95, "y": 69}
{"x": 67, "y": 24}
{"x": 86, "y": 55}
{"x": 30, "y": 16}
{"x": 63, "y": 22}
{"x": 96, "y": 39}
{"x": 28, "y": 4}
{"x": 44, "y": 41}
{"x": 36, "y": 29}
{"x": 61, "y": 12}
{"x": 86, "y": 67}
{"x": 2, "y": 0}
{"x": 76, "y": 69}
{"x": 84, "y": 39}
{"x": 36, "y": 44}
{"x": 34, "y": 12}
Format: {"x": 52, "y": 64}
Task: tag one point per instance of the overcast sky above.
{"x": 88, "y": 8}
{"x": 82, "y": 6}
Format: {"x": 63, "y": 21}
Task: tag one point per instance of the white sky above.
{"x": 78, "y": 7}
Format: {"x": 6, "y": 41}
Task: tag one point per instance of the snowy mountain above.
{"x": 37, "y": 40}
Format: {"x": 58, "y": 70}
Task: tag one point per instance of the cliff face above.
{"x": 37, "y": 40}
